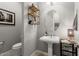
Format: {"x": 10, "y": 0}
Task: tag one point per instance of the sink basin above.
{"x": 50, "y": 40}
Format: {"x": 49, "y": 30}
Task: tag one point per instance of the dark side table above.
{"x": 67, "y": 48}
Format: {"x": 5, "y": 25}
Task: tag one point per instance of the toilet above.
{"x": 17, "y": 49}
{"x": 14, "y": 51}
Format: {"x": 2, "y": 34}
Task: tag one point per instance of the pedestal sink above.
{"x": 50, "y": 40}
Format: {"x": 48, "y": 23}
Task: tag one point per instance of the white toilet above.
{"x": 17, "y": 49}
{"x": 14, "y": 51}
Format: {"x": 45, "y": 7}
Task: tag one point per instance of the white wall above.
{"x": 11, "y": 34}
{"x": 66, "y": 16}
{"x": 77, "y": 10}
{"x": 30, "y": 33}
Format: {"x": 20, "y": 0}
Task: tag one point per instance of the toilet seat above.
{"x": 17, "y": 45}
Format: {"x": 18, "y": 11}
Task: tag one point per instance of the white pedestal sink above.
{"x": 50, "y": 40}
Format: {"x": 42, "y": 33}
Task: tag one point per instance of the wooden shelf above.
{"x": 68, "y": 51}
{"x": 67, "y": 48}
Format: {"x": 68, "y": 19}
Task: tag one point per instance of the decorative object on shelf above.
{"x": 75, "y": 23}
{"x": 56, "y": 25}
{"x": 71, "y": 35}
{"x": 7, "y": 17}
{"x": 46, "y": 33}
{"x": 33, "y": 15}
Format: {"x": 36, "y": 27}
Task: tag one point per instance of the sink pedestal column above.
{"x": 50, "y": 51}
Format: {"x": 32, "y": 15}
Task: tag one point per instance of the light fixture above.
{"x": 71, "y": 35}
{"x": 70, "y": 32}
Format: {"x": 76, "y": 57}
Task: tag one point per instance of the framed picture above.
{"x": 7, "y": 17}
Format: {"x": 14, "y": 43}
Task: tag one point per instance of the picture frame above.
{"x": 7, "y": 17}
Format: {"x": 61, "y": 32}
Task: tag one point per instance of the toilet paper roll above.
{"x": 1, "y": 42}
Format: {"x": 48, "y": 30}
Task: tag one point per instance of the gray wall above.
{"x": 30, "y": 33}
{"x": 66, "y": 16}
{"x": 11, "y": 34}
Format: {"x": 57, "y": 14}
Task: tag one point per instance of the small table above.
{"x": 69, "y": 48}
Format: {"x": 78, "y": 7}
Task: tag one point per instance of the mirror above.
{"x": 55, "y": 17}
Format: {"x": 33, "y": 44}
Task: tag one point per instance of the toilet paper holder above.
{"x": 2, "y": 42}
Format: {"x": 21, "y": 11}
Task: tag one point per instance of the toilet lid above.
{"x": 17, "y": 45}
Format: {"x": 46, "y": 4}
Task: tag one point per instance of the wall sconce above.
{"x": 33, "y": 15}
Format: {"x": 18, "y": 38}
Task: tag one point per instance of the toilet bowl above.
{"x": 17, "y": 45}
